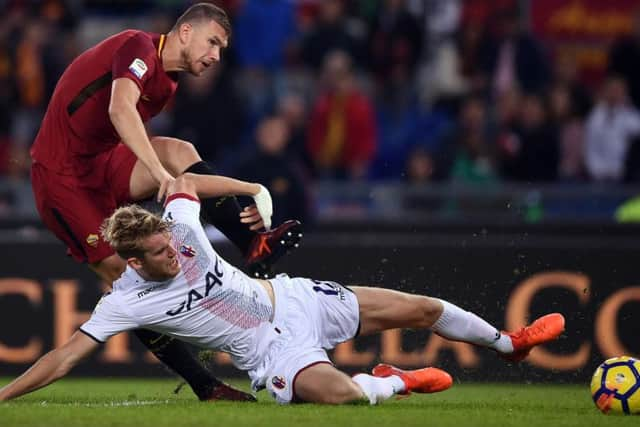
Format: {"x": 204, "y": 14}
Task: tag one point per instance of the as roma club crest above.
{"x": 92, "y": 240}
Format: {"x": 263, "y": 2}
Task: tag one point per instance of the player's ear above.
{"x": 135, "y": 263}
{"x": 184, "y": 32}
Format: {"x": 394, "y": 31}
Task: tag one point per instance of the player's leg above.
{"x": 222, "y": 212}
{"x": 323, "y": 383}
{"x": 319, "y": 315}
{"x": 382, "y": 309}
{"x": 178, "y": 157}
{"x": 176, "y": 355}
{"x": 301, "y": 374}
{"x": 72, "y": 213}
{"x": 261, "y": 250}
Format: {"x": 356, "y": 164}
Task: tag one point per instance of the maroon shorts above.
{"x": 73, "y": 208}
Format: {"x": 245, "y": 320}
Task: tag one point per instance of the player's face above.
{"x": 160, "y": 260}
{"x": 204, "y": 46}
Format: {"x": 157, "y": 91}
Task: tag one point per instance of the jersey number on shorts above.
{"x": 326, "y": 288}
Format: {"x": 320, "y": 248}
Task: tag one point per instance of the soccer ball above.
{"x": 615, "y": 386}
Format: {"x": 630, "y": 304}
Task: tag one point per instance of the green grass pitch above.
{"x": 136, "y": 402}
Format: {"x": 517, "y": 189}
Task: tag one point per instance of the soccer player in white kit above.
{"x": 277, "y": 330}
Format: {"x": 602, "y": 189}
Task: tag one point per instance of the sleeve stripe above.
{"x": 91, "y": 336}
{"x": 181, "y": 196}
{"x": 88, "y": 91}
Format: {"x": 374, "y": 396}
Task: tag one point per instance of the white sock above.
{"x": 377, "y": 389}
{"x": 460, "y": 325}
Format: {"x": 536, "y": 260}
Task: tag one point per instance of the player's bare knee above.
{"x": 189, "y": 150}
{"x": 175, "y": 154}
{"x": 184, "y": 184}
{"x": 185, "y": 155}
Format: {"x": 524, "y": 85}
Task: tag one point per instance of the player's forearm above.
{"x": 217, "y": 186}
{"x": 46, "y": 370}
{"x": 126, "y": 120}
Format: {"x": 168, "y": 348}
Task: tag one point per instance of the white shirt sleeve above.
{"x": 108, "y": 319}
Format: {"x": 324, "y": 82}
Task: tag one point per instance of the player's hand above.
{"x": 164, "y": 180}
{"x": 264, "y": 205}
{"x": 250, "y": 215}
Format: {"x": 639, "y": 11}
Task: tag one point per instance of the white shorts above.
{"x": 311, "y": 317}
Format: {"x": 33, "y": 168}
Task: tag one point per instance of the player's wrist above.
{"x": 257, "y": 189}
{"x": 264, "y": 204}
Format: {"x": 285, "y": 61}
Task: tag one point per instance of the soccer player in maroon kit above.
{"x": 92, "y": 154}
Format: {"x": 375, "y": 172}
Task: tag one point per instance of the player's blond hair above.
{"x": 128, "y": 226}
{"x": 205, "y": 12}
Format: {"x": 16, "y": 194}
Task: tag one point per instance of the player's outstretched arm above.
{"x": 53, "y": 365}
{"x": 218, "y": 186}
{"x": 128, "y": 123}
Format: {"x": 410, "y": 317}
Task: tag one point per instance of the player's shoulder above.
{"x": 135, "y": 34}
{"x": 134, "y": 39}
{"x": 126, "y": 281}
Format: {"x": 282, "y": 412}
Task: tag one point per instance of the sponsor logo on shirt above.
{"x": 278, "y": 382}
{"x": 138, "y": 68}
{"x": 188, "y": 251}
{"x": 193, "y": 295}
{"x": 148, "y": 290}
{"x": 92, "y": 240}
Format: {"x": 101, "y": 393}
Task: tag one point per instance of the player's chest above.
{"x": 155, "y": 97}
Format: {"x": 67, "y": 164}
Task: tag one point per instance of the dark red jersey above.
{"x": 77, "y": 124}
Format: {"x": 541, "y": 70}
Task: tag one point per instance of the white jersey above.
{"x": 210, "y": 303}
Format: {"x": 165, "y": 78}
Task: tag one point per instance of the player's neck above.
{"x": 146, "y": 276}
{"x": 170, "y": 54}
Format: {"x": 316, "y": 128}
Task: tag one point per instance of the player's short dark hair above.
{"x": 205, "y": 12}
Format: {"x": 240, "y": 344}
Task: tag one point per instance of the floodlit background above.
{"x": 526, "y": 109}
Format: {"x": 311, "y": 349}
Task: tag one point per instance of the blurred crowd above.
{"x": 404, "y": 90}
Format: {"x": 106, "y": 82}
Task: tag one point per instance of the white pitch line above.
{"x": 109, "y": 404}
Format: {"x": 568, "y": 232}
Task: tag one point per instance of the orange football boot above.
{"x": 425, "y": 380}
{"x": 544, "y": 329}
